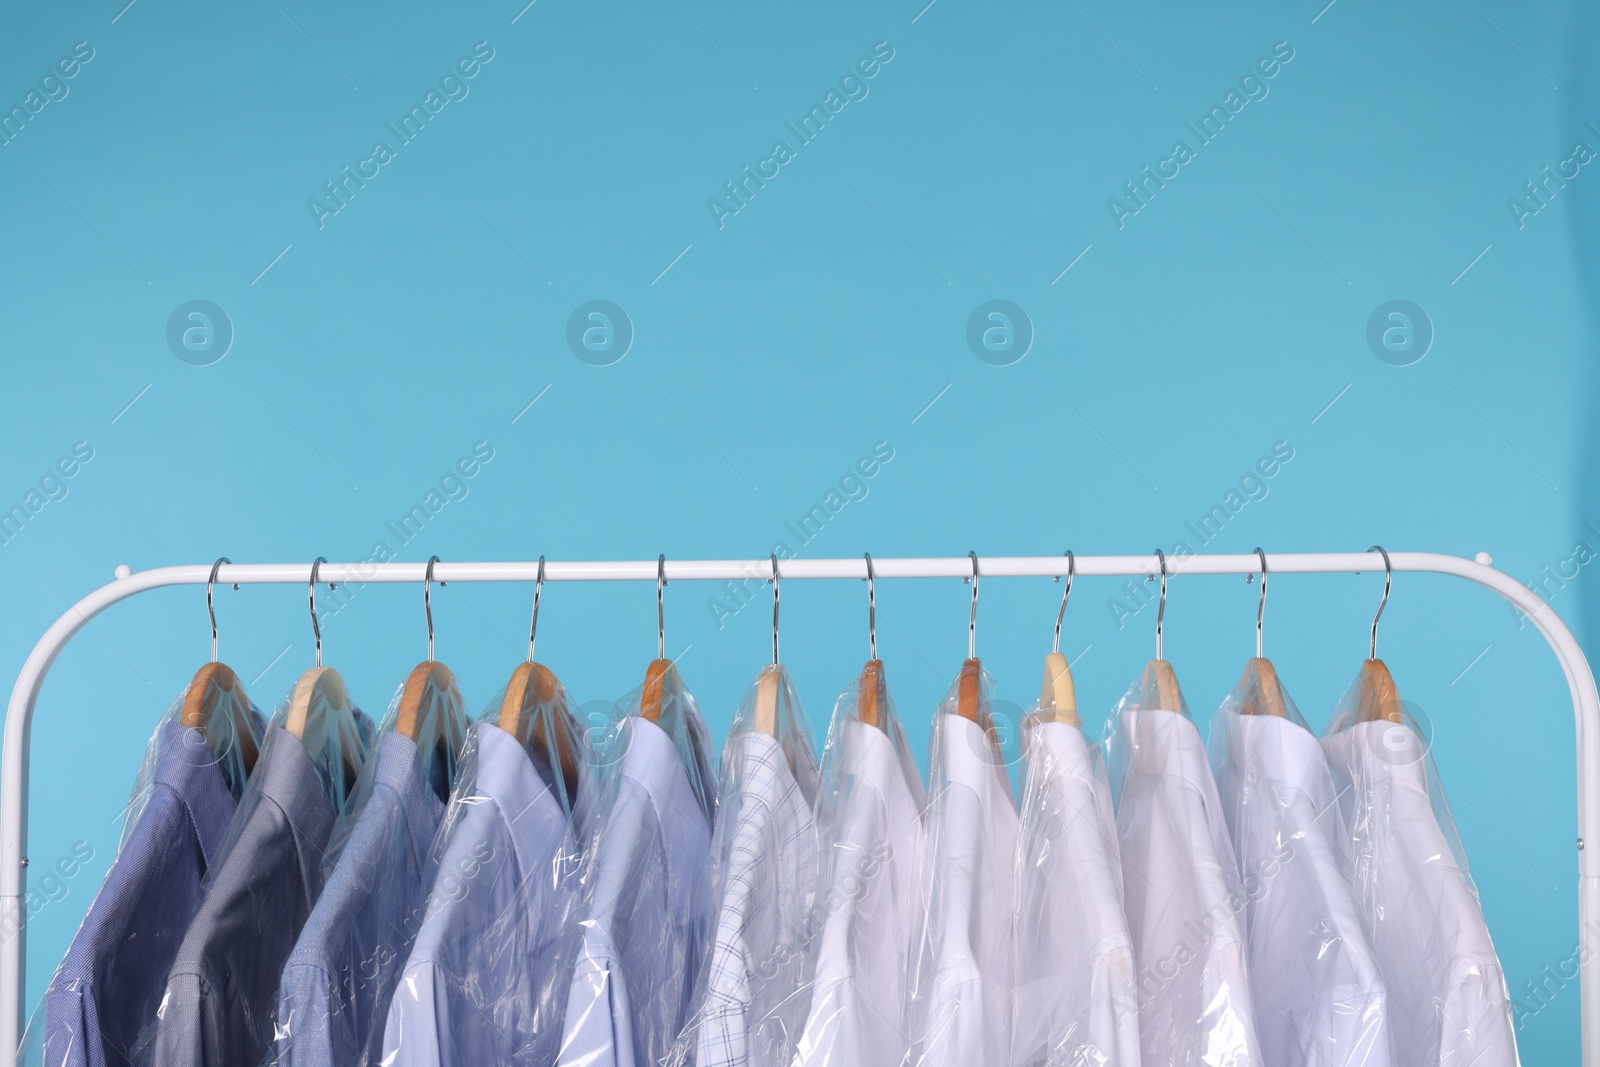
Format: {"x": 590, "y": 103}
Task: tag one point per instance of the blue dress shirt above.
{"x": 110, "y": 983}
{"x": 344, "y": 967}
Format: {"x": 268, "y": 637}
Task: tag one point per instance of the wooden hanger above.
{"x": 215, "y": 695}
{"x": 655, "y": 675}
{"x": 427, "y": 679}
{"x": 1377, "y": 697}
{"x": 530, "y": 712}
{"x": 1058, "y": 692}
{"x": 765, "y": 719}
{"x": 868, "y": 708}
{"x": 1158, "y": 673}
{"x": 1262, "y": 693}
{"x": 969, "y": 688}
{"x": 321, "y": 689}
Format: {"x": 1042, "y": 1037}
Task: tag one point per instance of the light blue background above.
{"x": 827, "y": 315}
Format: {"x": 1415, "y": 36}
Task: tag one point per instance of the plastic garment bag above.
{"x": 1076, "y": 1002}
{"x": 483, "y": 984}
{"x": 871, "y": 832}
{"x": 1320, "y": 999}
{"x": 107, "y": 988}
{"x": 959, "y": 1002}
{"x": 763, "y": 884}
{"x": 336, "y": 983}
{"x": 1448, "y": 1004}
{"x": 1180, "y": 889}
{"x": 644, "y": 915}
{"x": 221, "y": 993}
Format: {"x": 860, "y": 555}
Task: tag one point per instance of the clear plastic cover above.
{"x": 764, "y": 864}
{"x": 484, "y": 981}
{"x": 870, "y": 827}
{"x": 645, "y": 914}
{"x": 108, "y": 986}
{"x": 336, "y": 984}
{"x": 959, "y": 999}
{"x": 1180, "y": 884}
{"x": 1448, "y": 1003}
{"x": 221, "y": 993}
{"x": 1320, "y": 997}
{"x": 1077, "y": 1004}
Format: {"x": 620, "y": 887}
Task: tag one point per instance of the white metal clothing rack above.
{"x": 14, "y": 759}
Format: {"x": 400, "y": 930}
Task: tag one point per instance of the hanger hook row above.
{"x": 533, "y": 626}
{"x": 774, "y": 581}
{"x": 311, "y": 598}
{"x": 1388, "y": 579}
{"x": 1161, "y": 607}
{"x": 872, "y": 611}
{"x": 972, "y": 615}
{"x": 427, "y": 601}
{"x": 210, "y": 609}
{"x": 1261, "y": 605}
{"x": 661, "y": 616}
{"x": 1065, "y": 594}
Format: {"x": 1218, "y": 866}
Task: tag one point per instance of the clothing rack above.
{"x": 14, "y": 758}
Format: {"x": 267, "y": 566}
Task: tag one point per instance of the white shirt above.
{"x": 1322, "y": 1002}
{"x": 748, "y": 1013}
{"x": 872, "y": 853}
{"x": 1448, "y": 1002}
{"x": 1076, "y": 1002}
{"x": 1177, "y": 868}
{"x": 635, "y": 969}
{"x": 961, "y": 1009}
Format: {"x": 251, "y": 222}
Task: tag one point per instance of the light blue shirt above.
{"x": 343, "y": 969}
{"x": 644, "y": 926}
{"x": 477, "y": 988}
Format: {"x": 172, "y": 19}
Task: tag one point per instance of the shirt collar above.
{"x": 1282, "y": 751}
{"x": 186, "y": 765}
{"x": 398, "y": 766}
{"x": 286, "y": 775}
{"x": 1164, "y": 742}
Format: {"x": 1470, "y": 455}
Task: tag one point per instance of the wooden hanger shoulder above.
{"x": 1057, "y": 691}
{"x": 216, "y": 690}
{"x": 426, "y": 678}
{"x": 532, "y": 687}
{"x": 766, "y": 709}
{"x": 969, "y": 696}
{"x": 319, "y": 683}
{"x": 1263, "y": 693}
{"x": 1378, "y": 698}
{"x": 1159, "y": 673}
{"x": 867, "y": 708}
{"x": 655, "y": 677}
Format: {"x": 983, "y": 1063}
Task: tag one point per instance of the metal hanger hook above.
{"x": 210, "y": 609}
{"x": 774, "y": 581}
{"x": 972, "y": 615}
{"x": 427, "y": 601}
{"x": 533, "y": 626}
{"x": 1388, "y": 579}
{"x": 1161, "y": 607}
{"x": 661, "y": 617}
{"x": 1261, "y": 605}
{"x": 1065, "y": 594}
{"x": 311, "y": 598}
{"x": 872, "y": 610}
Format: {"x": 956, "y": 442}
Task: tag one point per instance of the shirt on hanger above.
{"x": 858, "y": 987}
{"x": 1076, "y": 1000}
{"x": 1322, "y": 1002}
{"x": 109, "y": 985}
{"x": 217, "y": 1011}
{"x": 1195, "y": 1002}
{"x": 339, "y": 977}
{"x": 477, "y": 986}
{"x": 635, "y": 969}
{"x": 962, "y": 1015}
{"x": 769, "y": 882}
{"x": 1448, "y": 1003}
